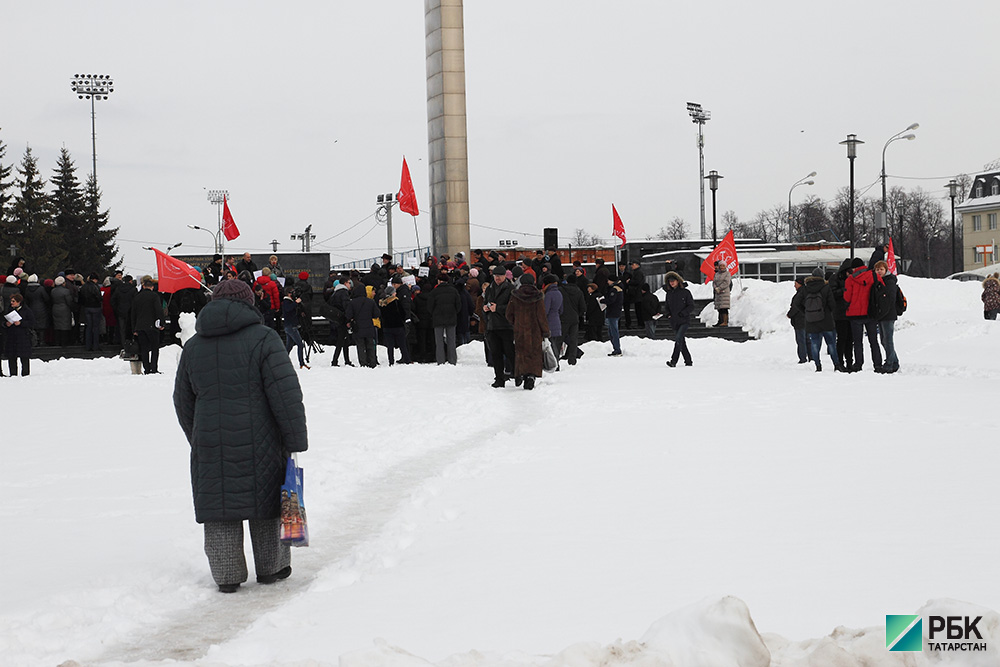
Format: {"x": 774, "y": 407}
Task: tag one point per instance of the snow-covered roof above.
{"x": 993, "y": 201}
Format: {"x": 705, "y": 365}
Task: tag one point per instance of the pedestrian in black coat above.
{"x": 361, "y": 313}
{"x": 574, "y": 309}
{"x": 17, "y": 343}
{"x": 239, "y": 403}
{"x": 678, "y": 306}
{"x": 499, "y": 331}
{"x": 445, "y": 304}
{"x": 819, "y": 324}
{"x": 647, "y": 307}
{"x": 147, "y": 323}
{"x": 595, "y": 313}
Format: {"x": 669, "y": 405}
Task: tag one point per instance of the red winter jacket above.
{"x": 272, "y": 291}
{"x": 857, "y": 289}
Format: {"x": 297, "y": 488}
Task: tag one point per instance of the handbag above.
{"x": 294, "y": 528}
{"x": 549, "y": 361}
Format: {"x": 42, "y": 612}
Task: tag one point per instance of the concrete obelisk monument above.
{"x": 446, "y": 130}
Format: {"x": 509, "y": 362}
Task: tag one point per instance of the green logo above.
{"x": 904, "y": 632}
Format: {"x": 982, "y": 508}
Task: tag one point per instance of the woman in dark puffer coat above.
{"x": 239, "y": 403}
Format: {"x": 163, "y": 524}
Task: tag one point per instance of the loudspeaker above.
{"x": 551, "y": 236}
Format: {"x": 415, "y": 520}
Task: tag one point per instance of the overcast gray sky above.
{"x": 304, "y": 110}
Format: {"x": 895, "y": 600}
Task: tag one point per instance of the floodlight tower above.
{"x": 218, "y": 198}
{"x": 93, "y": 87}
{"x": 699, "y": 117}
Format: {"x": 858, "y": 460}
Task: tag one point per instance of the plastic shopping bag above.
{"x": 294, "y": 529}
{"x": 549, "y": 361}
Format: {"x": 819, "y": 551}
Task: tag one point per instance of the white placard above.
{"x": 258, "y": 274}
{"x": 410, "y": 280}
{"x": 424, "y": 271}
{"x": 12, "y": 316}
{"x": 412, "y": 262}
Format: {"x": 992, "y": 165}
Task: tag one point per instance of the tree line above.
{"x": 57, "y": 227}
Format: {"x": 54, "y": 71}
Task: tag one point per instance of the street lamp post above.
{"x": 215, "y": 238}
{"x": 218, "y": 198}
{"x": 699, "y": 117}
{"x": 713, "y": 183}
{"x": 851, "y": 142}
{"x": 93, "y": 87}
{"x": 176, "y": 245}
{"x": 896, "y": 137}
{"x": 953, "y": 192}
{"x": 383, "y": 213}
{"x": 801, "y": 181}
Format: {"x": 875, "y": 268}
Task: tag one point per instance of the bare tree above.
{"x": 676, "y": 230}
{"x": 582, "y": 238}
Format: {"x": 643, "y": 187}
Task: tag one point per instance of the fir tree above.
{"x": 68, "y": 210}
{"x": 29, "y": 225}
{"x": 5, "y": 196}
{"x": 98, "y": 244}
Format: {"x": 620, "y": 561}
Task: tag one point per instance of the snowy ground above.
{"x": 623, "y": 512}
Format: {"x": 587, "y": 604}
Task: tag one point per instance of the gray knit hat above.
{"x": 234, "y": 290}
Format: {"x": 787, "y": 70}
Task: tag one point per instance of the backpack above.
{"x": 813, "y": 306}
{"x": 900, "y": 302}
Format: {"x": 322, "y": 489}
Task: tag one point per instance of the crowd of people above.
{"x": 845, "y": 307}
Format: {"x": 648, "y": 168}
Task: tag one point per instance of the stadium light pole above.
{"x": 713, "y": 183}
{"x": 801, "y": 181}
{"x": 895, "y": 137}
{"x": 93, "y": 87}
{"x": 851, "y": 142}
{"x": 699, "y": 117}
{"x": 218, "y": 197}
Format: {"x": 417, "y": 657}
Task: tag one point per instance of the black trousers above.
{"x": 149, "y": 349}
{"x": 501, "y": 343}
{"x": 12, "y": 366}
{"x": 845, "y": 343}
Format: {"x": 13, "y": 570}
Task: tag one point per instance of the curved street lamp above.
{"x": 896, "y": 137}
{"x": 215, "y": 238}
{"x": 801, "y": 181}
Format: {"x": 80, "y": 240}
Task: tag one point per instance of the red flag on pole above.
{"x": 726, "y": 252}
{"x": 619, "y": 228}
{"x": 406, "y": 197}
{"x": 229, "y": 227}
{"x": 173, "y": 274}
{"x": 890, "y": 259}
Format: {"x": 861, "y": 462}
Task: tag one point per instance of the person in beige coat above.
{"x": 722, "y": 284}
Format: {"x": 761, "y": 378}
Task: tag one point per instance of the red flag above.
{"x": 406, "y": 197}
{"x": 229, "y": 227}
{"x": 619, "y": 228}
{"x": 173, "y": 274}
{"x": 726, "y": 252}
{"x": 890, "y": 259}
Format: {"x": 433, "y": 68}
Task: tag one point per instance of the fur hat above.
{"x": 48, "y": 282}
{"x": 499, "y": 270}
{"x": 304, "y": 275}
{"x": 11, "y": 280}
{"x": 234, "y": 290}
{"x": 390, "y": 291}
{"x": 549, "y": 279}
{"x": 18, "y": 271}
{"x": 60, "y": 281}
{"x": 33, "y": 278}
{"x": 819, "y": 272}
{"x": 526, "y": 280}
